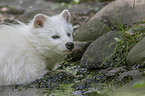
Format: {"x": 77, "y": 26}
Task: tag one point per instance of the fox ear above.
{"x": 39, "y": 20}
{"x": 66, "y": 15}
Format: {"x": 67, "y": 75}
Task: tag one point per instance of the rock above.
{"x": 137, "y": 53}
{"x": 91, "y": 31}
{"x": 113, "y": 15}
{"x": 29, "y": 5}
{"x": 9, "y": 10}
{"x": 82, "y": 9}
{"x": 133, "y": 88}
{"x": 133, "y": 74}
{"x": 43, "y": 6}
{"x": 79, "y": 50}
{"x": 86, "y": 8}
{"x": 115, "y": 71}
{"x": 121, "y": 11}
{"x": 100, "y": 50}
{"x": 30, "y": 15}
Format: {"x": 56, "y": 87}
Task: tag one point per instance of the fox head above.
{"x": 52, "y": 34}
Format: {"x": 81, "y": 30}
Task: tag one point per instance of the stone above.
{"x": 137, "y": 53}
{"x": 99, "y": 50}
{"x": 91, "y": 31}
{"x": 130, "y": 89}
{"x": 28, "y": 5}
{"x": 133, "y": 74}
{"x": 113, "y": 16}
{"x": 115, "y": 71}
{"x": 122, "y": 11}
{"x": 79, "y": 50}
{"x": 29, "y": 15}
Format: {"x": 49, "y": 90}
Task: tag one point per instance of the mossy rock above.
{"x": 99, "y": 50}
{"x": 91, "y": 31}
{"x": 114, "y": 15}
{"x": 137, "y": 53}
{"x": 122, "y": 12}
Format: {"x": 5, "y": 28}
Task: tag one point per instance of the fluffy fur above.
{"x": 28, "y": 50}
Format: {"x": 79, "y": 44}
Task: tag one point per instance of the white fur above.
{"x": 27, "y": 52}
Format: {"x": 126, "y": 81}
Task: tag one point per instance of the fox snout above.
{"x": 69, "y": 45}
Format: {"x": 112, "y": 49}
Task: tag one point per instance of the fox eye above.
{"x": 55, "y": 37}
{"x": 68, "y": 34}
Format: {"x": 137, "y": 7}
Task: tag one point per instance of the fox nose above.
{"x": 69, "y": 45}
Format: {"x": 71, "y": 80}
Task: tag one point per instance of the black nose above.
{"x": 69, "y": 45}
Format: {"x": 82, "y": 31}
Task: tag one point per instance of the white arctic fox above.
{"x": 28, "y": 50}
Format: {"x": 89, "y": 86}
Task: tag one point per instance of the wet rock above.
{"x": 127, "y": 76}
{"x": 79, "y": 50}
{"x": 137, "y": 53}
{"x": 100, "y": 50}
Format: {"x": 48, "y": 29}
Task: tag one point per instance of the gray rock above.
{"x": 109, "y": 72}
{"x": 115, "y": 71}
{"x": 30, "y": 15}
{"x": 137, "y": 53}
{"x": 133, "y": 88}
{"x": 122, "y": 11}
{"x": 133, "y": 74}
{"x": 43, "y": 6}
{"x": 28, "y": 5}
{"x": 99, "y": 50}
{"x": 79, "y": 50}
{"x": 114, "y": 15}
{"x": 91, "y": 31}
